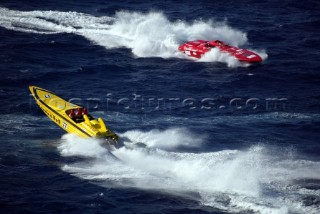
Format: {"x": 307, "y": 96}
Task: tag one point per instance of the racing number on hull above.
{"x": 64, "y": 125}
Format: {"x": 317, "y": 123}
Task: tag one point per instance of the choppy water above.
{"x": 219, "y": 136}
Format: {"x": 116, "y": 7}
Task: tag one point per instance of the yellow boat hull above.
{"x": 56, "y": 109}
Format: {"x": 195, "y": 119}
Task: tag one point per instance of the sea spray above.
{"x": 231, "y": 180}
{"x": 149, "y": 34}
{"x": 167, "y": 139}
{"x": 72, "y": 145}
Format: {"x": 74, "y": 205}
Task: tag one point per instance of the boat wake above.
{"x": 258, "y": 179}
{"x": 145, "y": 34}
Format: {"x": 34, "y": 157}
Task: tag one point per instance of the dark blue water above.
{"x": 219, "y": 136}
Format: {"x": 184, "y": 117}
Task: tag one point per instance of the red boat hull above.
{"x": 199, "y": 47}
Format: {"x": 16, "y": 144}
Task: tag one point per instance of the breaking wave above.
{"x": 149, "y": 34}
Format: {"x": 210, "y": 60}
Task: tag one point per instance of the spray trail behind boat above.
{"x": 259, "y": 178}
{"x": 149, "y": 34}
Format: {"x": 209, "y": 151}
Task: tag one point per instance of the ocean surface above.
{"x": 202, "y": 136}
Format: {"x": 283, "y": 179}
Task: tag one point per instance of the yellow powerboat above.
{"x": 72, "y": 118}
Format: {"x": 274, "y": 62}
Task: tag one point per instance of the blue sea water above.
{"x": 219, "y": 136}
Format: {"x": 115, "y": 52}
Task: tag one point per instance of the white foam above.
{"x": 73, "y": 145}
{"x": 149, "y": 34}
{"x": 215, "y": 55}
{"x": 256, "y": 179}
{"x": 262, "y": 53}
{"x": 167, "y": 139}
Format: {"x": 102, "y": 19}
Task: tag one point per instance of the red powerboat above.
{"x": 200, "y": 47}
